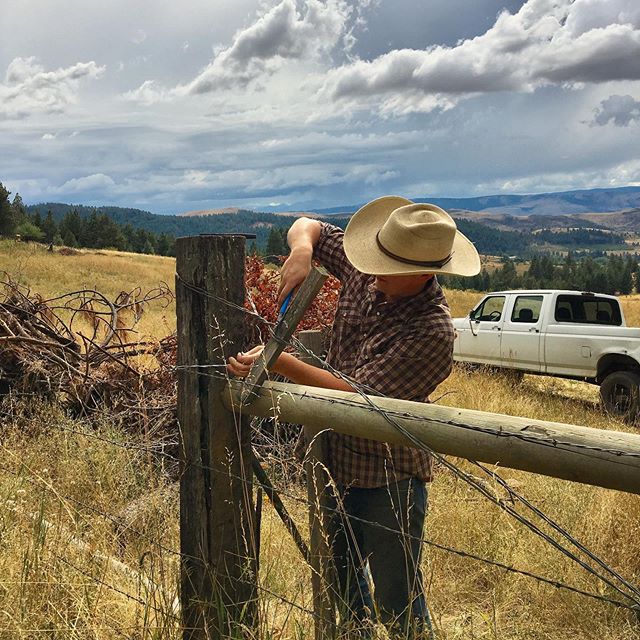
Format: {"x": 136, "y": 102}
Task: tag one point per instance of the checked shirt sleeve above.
{"x": 412, "y": 365}
{"x": 329, "y": 252}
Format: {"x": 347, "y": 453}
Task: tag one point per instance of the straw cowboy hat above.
{"x": 394, "y": 236}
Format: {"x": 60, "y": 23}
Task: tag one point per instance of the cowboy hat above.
{"x": 395, "y": 236}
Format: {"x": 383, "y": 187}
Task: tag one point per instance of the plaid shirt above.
{"x": 402, "y": 349}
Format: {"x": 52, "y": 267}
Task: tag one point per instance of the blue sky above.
{"x": 297, "y": 104}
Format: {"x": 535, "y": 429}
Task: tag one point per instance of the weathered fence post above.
{"x": 321, "y": 504}
{"x": 218, "y": 585}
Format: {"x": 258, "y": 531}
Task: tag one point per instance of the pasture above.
{"x": 89, "y": 519}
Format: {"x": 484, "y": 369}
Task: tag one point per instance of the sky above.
{"x": 300, "y": 104}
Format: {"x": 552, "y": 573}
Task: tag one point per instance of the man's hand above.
{"x": 295, "y": 269}
{"x": 242, "y": 363}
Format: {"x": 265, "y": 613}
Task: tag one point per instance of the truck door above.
{"x": 481, "y": 342}
{"x": 520, "y": 346}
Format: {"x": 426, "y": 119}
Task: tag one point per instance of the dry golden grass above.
{"x": 109, "y": 272}
{"x": 88, "y": 526}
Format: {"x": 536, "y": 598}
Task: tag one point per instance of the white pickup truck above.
{"x": 569, "y": 334}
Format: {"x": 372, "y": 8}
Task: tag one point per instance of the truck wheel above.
{"x": 620, "y": 394}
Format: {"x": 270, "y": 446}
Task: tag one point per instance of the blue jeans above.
{"x": 389, "y": 554}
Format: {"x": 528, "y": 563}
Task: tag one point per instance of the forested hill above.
{"x": 487, "y": 240}
{"x": 175, "y": 226}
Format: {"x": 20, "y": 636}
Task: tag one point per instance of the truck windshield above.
{"x": 582, "y": 309}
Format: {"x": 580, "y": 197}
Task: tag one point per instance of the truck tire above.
{"x": 620, "y": 394}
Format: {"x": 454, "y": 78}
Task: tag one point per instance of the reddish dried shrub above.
{"x": 262, "y": 290}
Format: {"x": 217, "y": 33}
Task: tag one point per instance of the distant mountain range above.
{"x": 561, "y": 203}
{"x": 501, "y": 224}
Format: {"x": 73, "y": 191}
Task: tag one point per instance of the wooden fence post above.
{"x": 321, "y": 505}
{"x": 218, "y": 584}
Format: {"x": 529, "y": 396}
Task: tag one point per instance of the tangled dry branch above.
{"x": 81, "y": 348}
{"x": 78, "y": 349}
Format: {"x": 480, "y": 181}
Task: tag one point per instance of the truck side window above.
{"x": 526, "y": 309}
{"x": 587, "y": 309}
{"x": 490, "y": 310}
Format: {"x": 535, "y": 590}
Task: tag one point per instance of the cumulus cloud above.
{"x": 621, "y": 110}
{"x": 83, "y": 184}
{"x": 545, "y": 42}
{"x": 290, "y": 31}
{"x": 283, "y": 33}
{"x": 29, "y": 89}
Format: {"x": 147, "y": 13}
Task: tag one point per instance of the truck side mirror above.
{"x": 472, "y": 314}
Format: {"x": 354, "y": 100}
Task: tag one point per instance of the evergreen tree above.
{"x": 36, "y": 219}
{"x": 90, "y": 228}
{"x": 568, "y": 272}
{"x": 49, "y": 227}
{"x": 276, "y": 244}
{"x": 506, "y": 277}
{"x": 8, "y": 222}
{"x": 19, "y": 211}
{"x": 165, "y": 245}
{"x": 625, "y": 283}
{"x": 148, "y": 247}
{"x": 71, "y": 228}
{"x": 68, "y": 238}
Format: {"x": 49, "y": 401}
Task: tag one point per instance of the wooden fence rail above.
{"x": 609, "y": 459}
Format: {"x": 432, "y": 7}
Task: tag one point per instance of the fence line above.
{"x": 203, "y": 371}
{"x": 117, "y": 520}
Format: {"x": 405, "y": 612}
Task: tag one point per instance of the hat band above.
{"x": 435, "y": 263}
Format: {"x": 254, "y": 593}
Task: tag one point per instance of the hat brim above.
{"x": 363, "y": 253}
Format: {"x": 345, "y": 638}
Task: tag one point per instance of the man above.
{"x": 392, "y": 333}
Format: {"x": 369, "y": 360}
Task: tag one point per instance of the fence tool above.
{"x": 290, "y": 315}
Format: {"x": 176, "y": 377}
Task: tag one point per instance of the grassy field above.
{"x": 89, "y": 523}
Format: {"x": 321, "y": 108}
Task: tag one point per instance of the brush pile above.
{"x": 81, "y": 348}
{"x": 78, "y": 349}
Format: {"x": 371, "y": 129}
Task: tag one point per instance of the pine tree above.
{"x": 71, "y": 228}
{"x": 36, "y": 218}
{"x": 8, "y": 222}
{"x": 19, "y": 211}
{"x": 275, "y": 243}
{"x": 49, "y": 227}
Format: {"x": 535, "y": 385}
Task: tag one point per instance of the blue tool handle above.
{"x": 285, "y": 304}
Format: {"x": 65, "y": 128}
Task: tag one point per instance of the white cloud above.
{"x": 546, "y": 42}
{"x": 620, "y": 175}
{"x": 284, "y": 33}
{"x": 29, "y": 89}
{"x": 85, "y": 184}
{"x": 148, "y": 93}
{"x": 621, "y": 110}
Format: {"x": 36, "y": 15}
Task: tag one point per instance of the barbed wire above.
{"x": 392, "y": 417}
{"x": 361, "y": 390}
{"x": 503, "y": 505}
{"x": 459, "y": 552}
{"x": 117, "y": 520}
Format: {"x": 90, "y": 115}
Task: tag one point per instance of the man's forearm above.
{"x": 300, "y": 372}
{"x": 303, "y": 235}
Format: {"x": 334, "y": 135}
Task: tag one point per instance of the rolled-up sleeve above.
{"x": 329, "y": 252}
